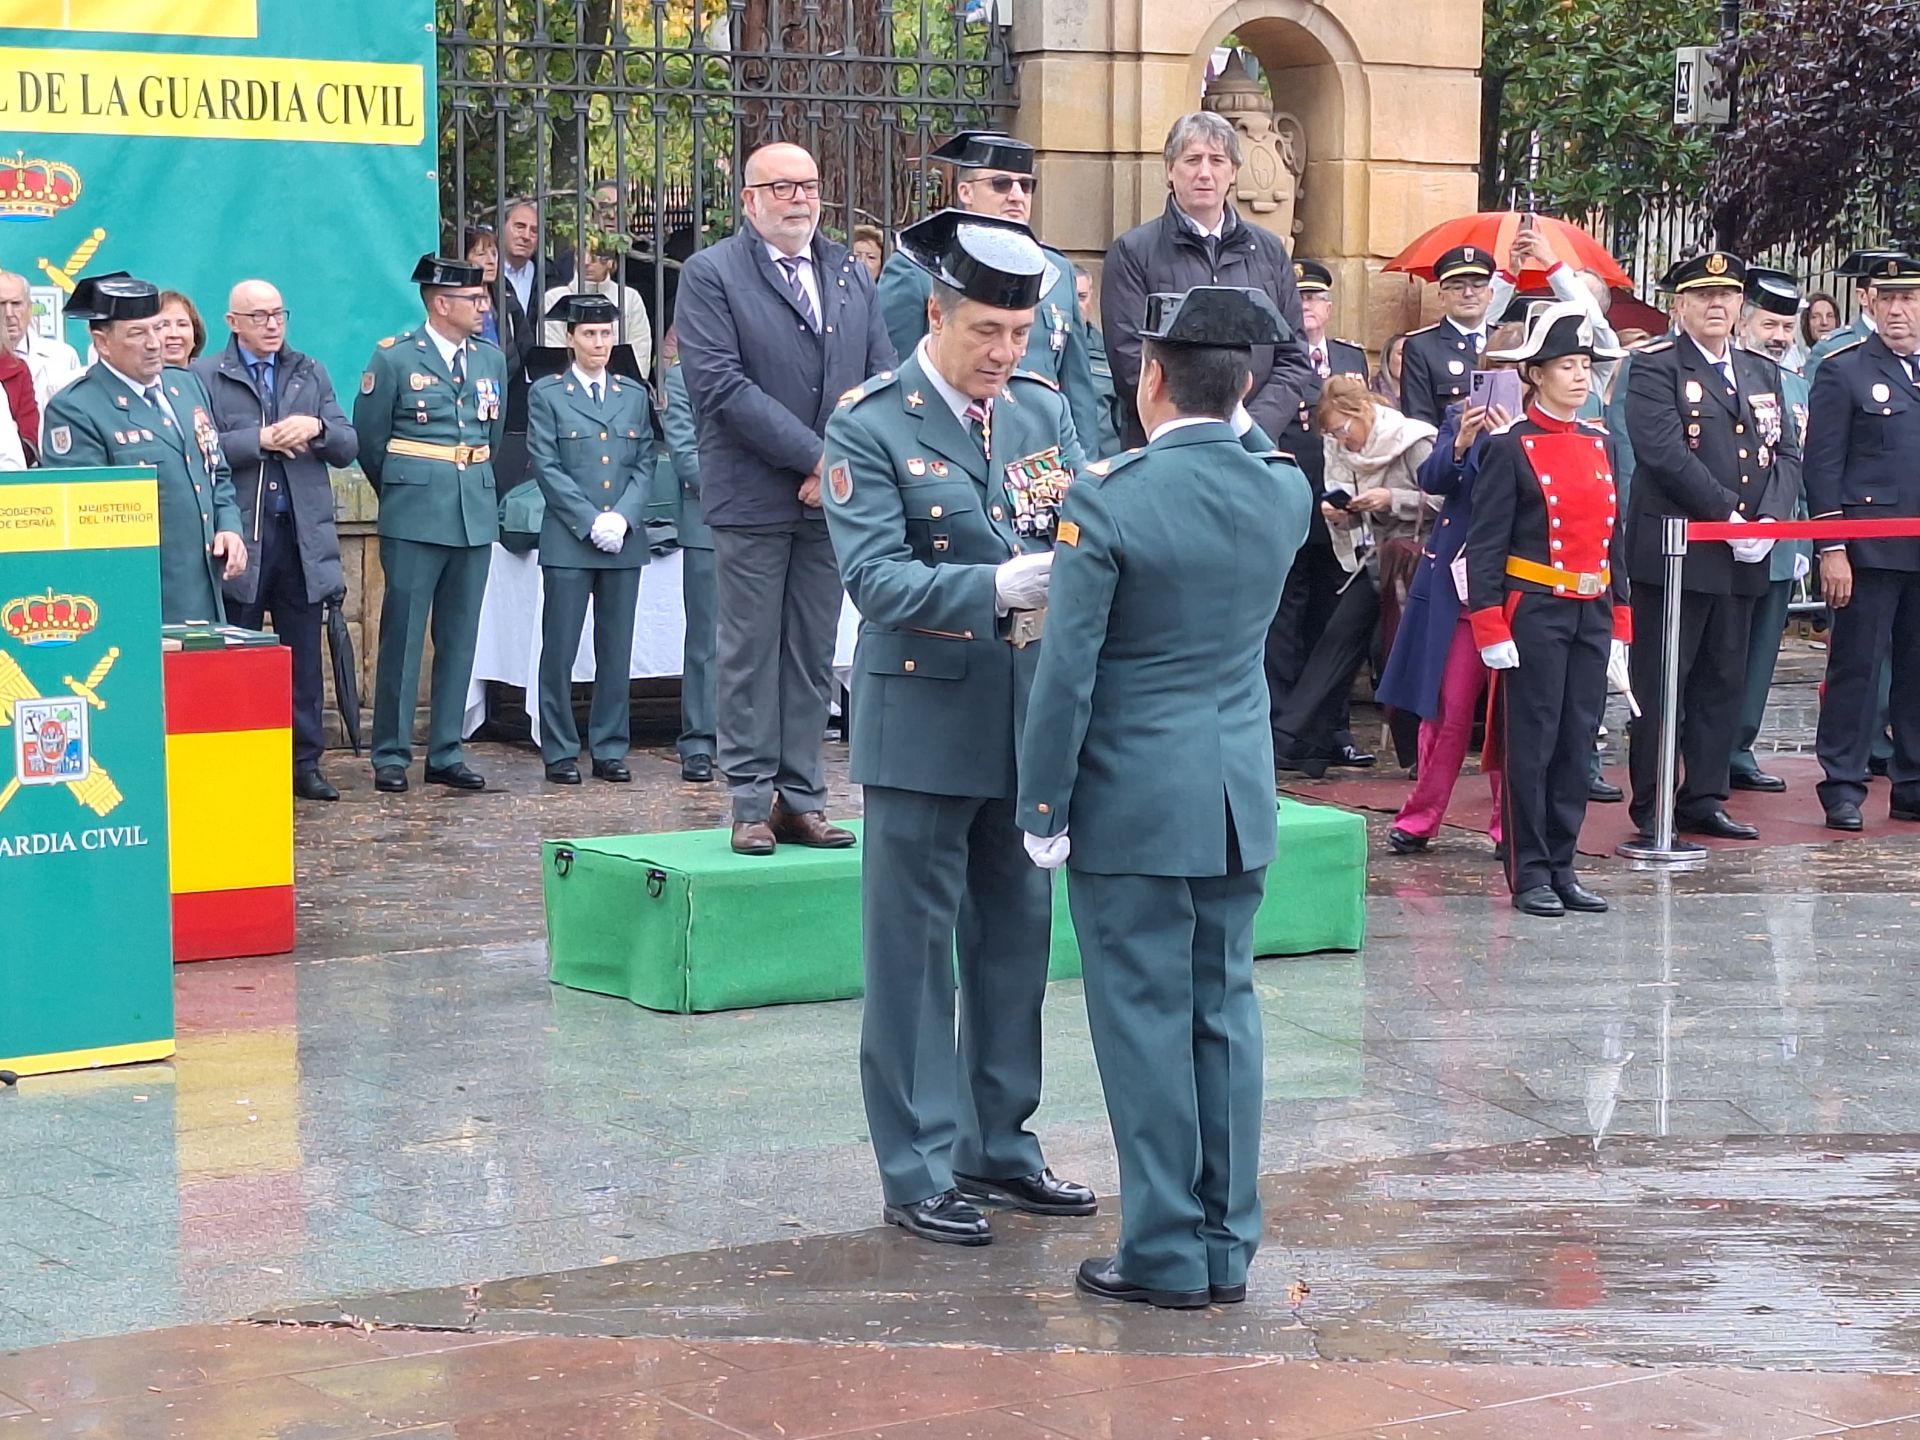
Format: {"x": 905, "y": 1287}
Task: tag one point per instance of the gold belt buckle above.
{"x": 1589, "y": 583}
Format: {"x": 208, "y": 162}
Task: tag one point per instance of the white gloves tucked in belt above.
{"x": 1021, "y": 583}
{"x": 1747, "y": 552}
{"x": 1503, "y": 656}
{"x": 609, "y": 532}
{"x": 1049, "y": 852}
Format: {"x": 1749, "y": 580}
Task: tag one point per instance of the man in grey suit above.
{"x": 775, "y": 323}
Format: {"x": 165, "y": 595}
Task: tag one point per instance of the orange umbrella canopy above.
{"x": 1493, "y": 230}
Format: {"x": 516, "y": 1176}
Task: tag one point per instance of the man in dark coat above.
{"x": 281, "y": 429}
{"x": 1201, "y": 241}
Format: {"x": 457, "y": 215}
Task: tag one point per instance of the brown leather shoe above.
{"x": 807, "y": 827}
{"x": 752, "y": 837}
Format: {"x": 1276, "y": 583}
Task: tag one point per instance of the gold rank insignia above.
{"x": 387, "y": 344}
{"x": 852, "y": 395}
{"x": 915, "y": 400}
{"x": 1069, "y": 533}
{"x": 916, "y": 466}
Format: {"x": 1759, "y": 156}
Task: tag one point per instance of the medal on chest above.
{"x": 1035, "y": 486}
{"x": 486, "y": 392}
{"x": 207, "y": 438}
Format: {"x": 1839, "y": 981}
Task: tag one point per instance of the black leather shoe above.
{"x": 564, "y": 772}
{"x": 1539, "y": 900}
{"x": 1401, "y": 843}
{"x": 613, "y": 770}
{"x": 390, "y": 779}
{"x": 697, "y": 768}
{"x": 1577, "y": 897}
{"x": 1604, "y": 792}
{"x": 1227, "y": 1294}
{"x": 1353, "y": 757}
{"x": 1718, "y": 824}
{"x": 945, "y": 1219}
{"x": 456, "y": 777}
{"x": 1310, "y": 767}
{"x": 1878, "y": 766}
{"x": 1037, "y": 1194}
{"x": 312, "y": 785}
{"x": 1900, "y": 812}
{"x": 1500, "y": 852}
{"x": 1097, "y": 1277}
{"x": 1757, "y": 780}
{"x": 1844, "y": 815}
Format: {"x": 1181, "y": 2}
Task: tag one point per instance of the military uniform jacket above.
{"x": 1149, "y": 721}
{"x": 590, "y": 460}
{"x": 1057, "y": 349}
{"x": 98, "y": 420}
{"x": 1863, "y": 449}
{"x": 407, "y": 396}
{"x": 1436, "y": 369}
{"x": 1705, "y": 452}
{"x": 920, "y": 521}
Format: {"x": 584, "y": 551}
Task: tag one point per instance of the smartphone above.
{"x": 1526, "y": 221}
{"x": 1338, "y": 499}
{"x": 1496, "y": 387}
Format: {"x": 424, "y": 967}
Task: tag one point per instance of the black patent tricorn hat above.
{"x": 986, "y": 150}
{"x": 994, "y": 261}
{"x": 115, "y": 295}
{"x": 447, "y": 272}
{"x": 1215, "y": 315}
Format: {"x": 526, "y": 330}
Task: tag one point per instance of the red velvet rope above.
{"x": 1804, "y": 530}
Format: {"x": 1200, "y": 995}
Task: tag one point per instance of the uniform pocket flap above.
{"x": 937, "y": 502}
{"x": 895, "y": 652}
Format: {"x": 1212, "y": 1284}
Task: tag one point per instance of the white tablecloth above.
{"x": 509, "y": 645}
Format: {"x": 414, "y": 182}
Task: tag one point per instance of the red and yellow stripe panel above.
{"x": 230, "y": 801}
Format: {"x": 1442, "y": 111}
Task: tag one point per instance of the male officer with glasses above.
{"x": 1437, "y": 364}
{"x": 993, "y": 175}
{"x": 430, "y": 412}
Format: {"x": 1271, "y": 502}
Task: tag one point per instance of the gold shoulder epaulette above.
{"x": 389, "y": 342}
{"x": 872, "y": 385}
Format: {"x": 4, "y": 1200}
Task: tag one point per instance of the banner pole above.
{"x": 1662, "y": 850}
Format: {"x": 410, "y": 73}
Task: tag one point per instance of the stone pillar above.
{"x": 1388, "y": 94}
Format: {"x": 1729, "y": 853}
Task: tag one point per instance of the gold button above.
{"x": 996, "y": 512}
{"x": 1044, "y": 809}
{"x": 1743, "y": 455}
{"x": 908, "y": 667}
{"x": 603, "y": 434}
{"x": 936, "y": 512}
{"x": 606, "y": 484}
{"x": 604, "y": 460}
{"x": 1740, "y": 430}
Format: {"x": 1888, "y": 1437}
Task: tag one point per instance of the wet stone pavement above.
{"x": 1516, "y": 1171}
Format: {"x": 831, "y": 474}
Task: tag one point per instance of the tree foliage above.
{"x": 1828, "y": 121}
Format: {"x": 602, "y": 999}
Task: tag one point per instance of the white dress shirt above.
{"x": 54, "y": 365}
{"x": 447, "y": 348}
{"x": 808, "y": 280}
{"x": 151, "y": 389}
{"x": 957, "y": 401}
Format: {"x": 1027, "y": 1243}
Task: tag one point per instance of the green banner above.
{"x": 196, "y": 143}
{"x": 86, "y": 954}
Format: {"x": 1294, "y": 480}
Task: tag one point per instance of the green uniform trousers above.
{"x": 615, "y": 595}
{"x": 940, "y": 874}
{"x": 697, "y": 705}
{"x": 447, "y": 582}
{"x": 1168, "y": 967}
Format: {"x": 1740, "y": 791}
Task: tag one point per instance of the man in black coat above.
{"x": 775, "y": 323}
{"x": 1437, "y": 363}
{"x": 1863, "y": 432}
{"x": 282, "y": 429}
{"x": 1708, "y": 424}
{"x": 1201, "y": 241}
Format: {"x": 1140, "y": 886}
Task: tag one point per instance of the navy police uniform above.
{"x": 1438, "y": 361}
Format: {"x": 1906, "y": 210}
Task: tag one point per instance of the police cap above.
{"x": 115, "y": 295}
{"x": 985, "y": 258}
{"x": 1715, "y": 270}
{"x": 1464, "y": 262}
{"x": 1215, "y": 315}
{"x": 1310, "y": 277}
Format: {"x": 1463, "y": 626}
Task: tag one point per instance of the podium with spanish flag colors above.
{"x": 86, "y": 974}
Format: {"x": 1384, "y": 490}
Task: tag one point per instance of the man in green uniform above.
{"x": 942, "y": 484}
{"x": 994, "y": 176}
{"x": 1169, "y": 566}
{"x": 1108, "y": 440}
{"x": 590, "y": 441}
{"x": 429, "y": 415}
{"x": 130, "y": 409}
{"x": 696, "y": 745}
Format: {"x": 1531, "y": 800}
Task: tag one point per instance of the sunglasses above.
{"x": 1005, "y": 184}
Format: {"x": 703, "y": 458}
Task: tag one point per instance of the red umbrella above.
{"x": 1493, "y": 231}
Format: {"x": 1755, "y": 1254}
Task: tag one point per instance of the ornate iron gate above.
{"x": 627, "y": 122}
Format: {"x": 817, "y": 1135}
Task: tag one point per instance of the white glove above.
{"x": 609, "y": 532}
{"x": 1750, "y": 552}
{"x": 1503, "y": 656}
{"x": 1617, "y": 675}
{"x": 1049, "y": 852}
{"x": 1021, "y": 583}
{"x": 1802, "y": 566}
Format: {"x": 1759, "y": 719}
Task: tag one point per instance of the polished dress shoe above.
{"x": 1718, "y": 824}
{"x": 1575, "y": 896}
{"x": 945, "y": 1219}
{"x": 1844, "y": 815}
{"x": 1312, "y": 767}
{"x": 1757, "y": 780}
{"x": 312, "y": 785}
{"x": 1227, "y": 1294}
{"x": 1097, "y": 1277}
{"x": 390, "y": 779}
{"x": 1901, "y": 812}
{"x": 753, "y": 837}
{"x": 807, "y": 827}
{"x": 1604, "y": 792}
{"x": 456, "y": 777}
{"x": 564, "y": 772}
{"x": 697, "y": 768}
{"x": 613, "y": 770}
{"x": 1041, "y": 1193}
{"x": 1401, "y": 843}
{"x": 1539, "y": 900}
{"x": 1353, "y": 757}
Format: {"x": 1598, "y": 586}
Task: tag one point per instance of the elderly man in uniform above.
{"x": 994, "y": 176}
{"x": 1438, "y": 361}
{"x": 1712, "y": 440}
{"x": 1863, "y": 433}
{"x": 942, "y": 480}
{"x": 1190, "y": 537}
{"x": 130, "y": 409}
{"x": 429, "y": 414}
{"x": 590, "y": 443}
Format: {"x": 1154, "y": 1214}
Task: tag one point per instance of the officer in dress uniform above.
{"x": 1169, "y": 568}
{"x": 1861, "y": 267}
{"x": 131, "y": 409}
{"x": 943, "y": 480}
{"x": 1437, "y": 363}
{"x": 1863, "y": 433}
{"x": 590, "y": 441}
{"x": 1709, "y": 431}
{"x": 994, "y": 176}
{"x": 681, "y": 430}
{"x": 429, "y": 414}
{"x": 1546, "y": 594}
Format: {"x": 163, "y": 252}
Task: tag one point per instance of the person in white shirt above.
{"x": 601, "y": 265}
{"x": 53, "y": 362}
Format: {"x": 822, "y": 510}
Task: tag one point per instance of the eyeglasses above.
{"x": 264, "y": 318}
{"x": 789, "y": 189}
{"x": 1004, "y": 184}
{"x": 473, "y": 297}
{"x": 1464, "y": 287}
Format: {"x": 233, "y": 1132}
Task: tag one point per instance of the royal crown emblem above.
{"x": 48, "y": 619}
{"x": 36, "y": 189}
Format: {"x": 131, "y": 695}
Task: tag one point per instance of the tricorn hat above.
{"x": 986, "y": 150}
{"x": 1774, "y": 291}
{"x": 115, "y": 295}
{"x": 590, "y": 309}
{"x": 1215, "y": 315}
{"x": 446, "y": 272}
{"x": 1555, "y": 331}
{"x": 985, "y": 258}
{"x": 554, "y": 360}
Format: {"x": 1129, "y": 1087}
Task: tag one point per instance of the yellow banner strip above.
{"x": 139, "y": 1053}
{"x": 81, "y": 515}
{"x": 239, "y": 19}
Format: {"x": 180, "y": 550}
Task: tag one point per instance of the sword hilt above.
{"x": 85, "y": 689}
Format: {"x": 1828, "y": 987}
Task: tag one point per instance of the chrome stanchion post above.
{"x": 1673, "y": 547}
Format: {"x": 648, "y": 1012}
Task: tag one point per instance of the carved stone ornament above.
{"x": 1269, "y": 190}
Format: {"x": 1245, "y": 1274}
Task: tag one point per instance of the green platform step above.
{"x": 680, "y": 923}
